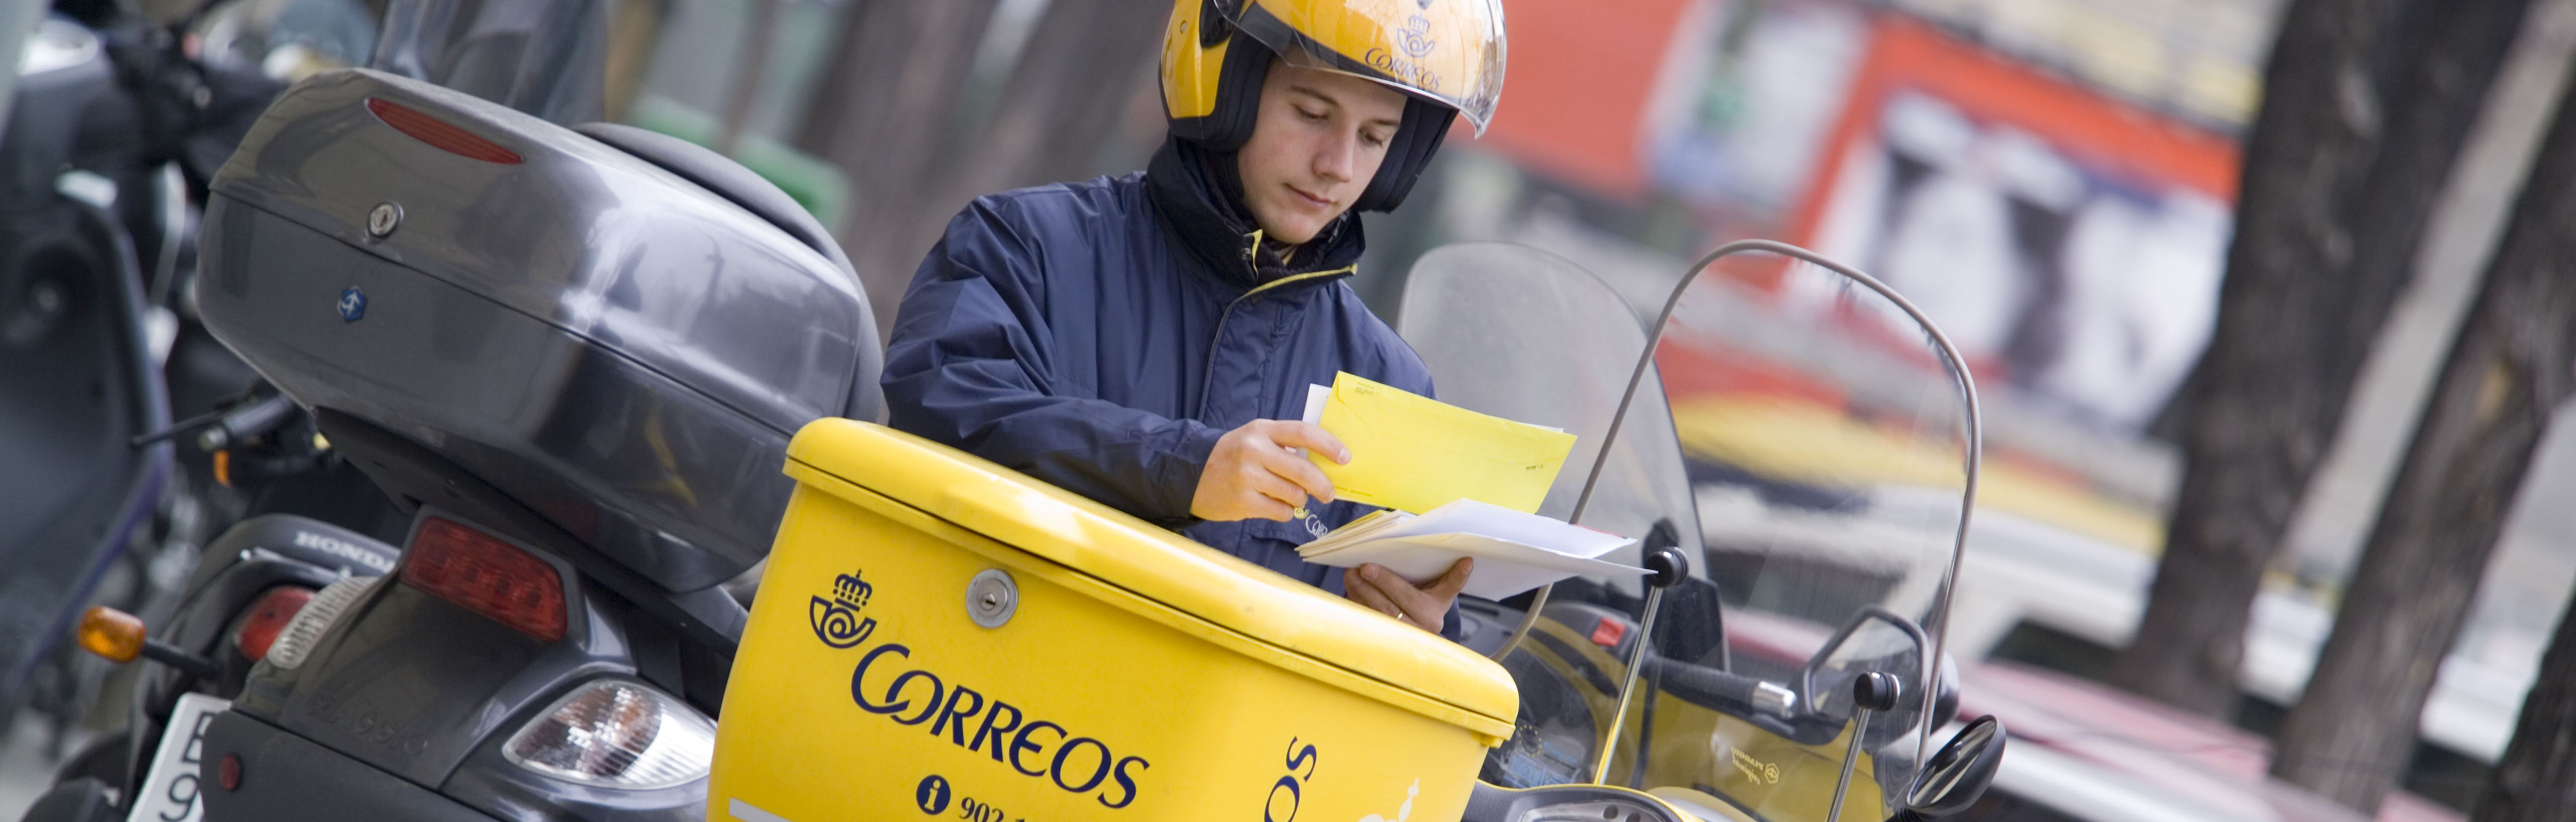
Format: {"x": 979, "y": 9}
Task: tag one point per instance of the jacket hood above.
{"x": 1199, "y": 196}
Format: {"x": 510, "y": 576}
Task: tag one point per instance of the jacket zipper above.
{"x": 1207, "y": 372}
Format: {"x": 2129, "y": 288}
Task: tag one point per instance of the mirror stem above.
{"x": 1851, "y": 757}
{"x": 1668, "y": 567}
{"x": 1628, "y": 689}
{"x": 1529, "y": 619}
{"x": 1871, "y": 691}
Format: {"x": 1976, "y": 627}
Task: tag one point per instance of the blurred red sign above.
{"x": 1576, "y": 89}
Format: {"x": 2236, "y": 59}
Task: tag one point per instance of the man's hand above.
{"x": 1424, "y": 607}
{"x": 1253, "y": 475}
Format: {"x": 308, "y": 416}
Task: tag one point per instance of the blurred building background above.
{"x": 2053, "y": 180}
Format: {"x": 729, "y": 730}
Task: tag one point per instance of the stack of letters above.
{"x": 1457, "y": 484}
{"x": 1514, "y": 551}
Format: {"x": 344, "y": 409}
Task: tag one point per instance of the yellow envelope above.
{"x": 1414, "y": 453}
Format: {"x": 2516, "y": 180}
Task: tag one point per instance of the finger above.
{"x": 1264, "y": 507}
{"x": 1309, "y": 436}
{"x": 1418, "y": 609}
{"x": 1452, "y": 581}
{"x": 1276, "y": 488}
{"x": 1414, "y": 602}
{"x": 1357, "y": 587}
{"x": 1432, "y": 623}
{"x": 1376, "y": 600}
{"x": 1301, "y": 472}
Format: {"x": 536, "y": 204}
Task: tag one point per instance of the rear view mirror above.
{"x": 1874, "y": 639}
{"x": 1957, "y": 774}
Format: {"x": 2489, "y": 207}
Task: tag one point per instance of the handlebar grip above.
{"x": 1683, "y": 676}
{"x": 251, "y": 420}
{"x": 1698, "y": 683}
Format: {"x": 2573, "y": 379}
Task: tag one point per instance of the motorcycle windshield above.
{"x": 1523, "y": 334}
{"x": 1803, "y": 436}
{"x": 547, "y": 58}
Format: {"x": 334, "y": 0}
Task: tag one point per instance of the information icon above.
{"x": 933, "y": 794}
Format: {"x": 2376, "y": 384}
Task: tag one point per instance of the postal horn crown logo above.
{"x": 1415, "y": 37}
{"x": 836, "y": 619}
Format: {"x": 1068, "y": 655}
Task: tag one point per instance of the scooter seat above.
{"x": 723, "y": 176}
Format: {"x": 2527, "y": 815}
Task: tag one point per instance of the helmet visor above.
{"x": 1445, "y": 51}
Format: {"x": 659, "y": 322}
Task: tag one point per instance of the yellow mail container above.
{"x": 938, "y": 637}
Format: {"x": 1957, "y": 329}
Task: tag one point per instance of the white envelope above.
{"x": 1503, "y": 567}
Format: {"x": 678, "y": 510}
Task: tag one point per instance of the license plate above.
{"x": 171, "y": 791}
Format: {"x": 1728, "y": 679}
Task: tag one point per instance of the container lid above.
{"x": 1151, "y": 562}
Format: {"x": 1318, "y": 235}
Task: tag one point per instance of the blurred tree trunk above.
{"x": 932, "y": 103}
{"x": 1078, "y": 81}
{"x": 2508, "y": 370}
{"x": 2365, "y": 105}
{"x": 880, "y": 113}
{"x": 2536, "y": 779}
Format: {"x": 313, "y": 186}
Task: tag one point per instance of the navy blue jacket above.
{"x": 1101, "y": 335}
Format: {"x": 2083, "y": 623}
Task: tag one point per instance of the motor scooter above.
{"x": 1101, "y": 667}
{"x": 96, "y": 242}
{"x": 122, "y": 127}
{"x": 566, "y": 353}
{"x": 313, "y": 518}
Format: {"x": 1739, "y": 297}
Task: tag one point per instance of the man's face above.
{"x": 1318, "y": 141}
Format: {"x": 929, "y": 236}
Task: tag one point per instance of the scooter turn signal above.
{"x": 119, "y": 637}
{"x": 111, "y": 633}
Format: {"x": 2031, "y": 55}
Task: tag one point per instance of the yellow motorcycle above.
{"x": 940, "y": 637}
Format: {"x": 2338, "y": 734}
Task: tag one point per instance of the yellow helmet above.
{"x": 1445, "y": 55}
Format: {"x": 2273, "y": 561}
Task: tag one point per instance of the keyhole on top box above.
{"x": 991, "y": 597}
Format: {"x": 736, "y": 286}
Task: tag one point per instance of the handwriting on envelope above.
{"x": 1414, "y": 453}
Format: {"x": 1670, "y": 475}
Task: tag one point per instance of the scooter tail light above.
{"x": 267, "y": 618}
{"x": 294, "y": 643}
{"x": 488, "y": 576}
{"x": 616, "y": 734}
{"x": 440, "y": 133}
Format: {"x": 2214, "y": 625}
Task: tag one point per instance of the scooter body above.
{"x": 76, "y": 352}
{"x": 118, "y": 126}
{"x": 576, "y": 357}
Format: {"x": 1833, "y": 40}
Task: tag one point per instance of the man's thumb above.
{"x": 1449, "y": 584}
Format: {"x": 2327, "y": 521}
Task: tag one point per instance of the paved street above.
{"x": 24, "y": 766}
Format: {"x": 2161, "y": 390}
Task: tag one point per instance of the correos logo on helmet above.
{"x": 1415, "y": 39}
